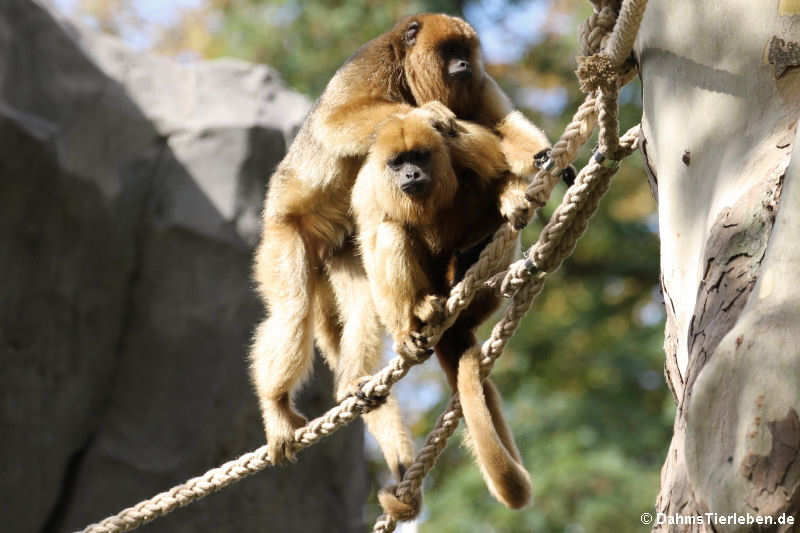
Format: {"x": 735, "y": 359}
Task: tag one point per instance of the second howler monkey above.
{"x": 425, "y": 203}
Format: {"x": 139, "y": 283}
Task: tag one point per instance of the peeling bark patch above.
{"x": 672, "y": 372}
{"x": 783, "y": 55}
{"x": 776, "y": 474}
{"x": 734, "y": 251}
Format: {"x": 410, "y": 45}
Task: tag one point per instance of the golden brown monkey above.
{"x": 424, "y": 205}
{"x": 305, "y": 268}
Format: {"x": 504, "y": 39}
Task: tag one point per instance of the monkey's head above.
{"x": 408, "y": 171}
{"x": 442, "y": 60}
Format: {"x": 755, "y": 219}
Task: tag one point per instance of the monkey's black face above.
{"x": 411, "y": 172}
{"x": 457, "y": 55}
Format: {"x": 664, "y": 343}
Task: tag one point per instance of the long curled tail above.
{"x": 489, "y": 436}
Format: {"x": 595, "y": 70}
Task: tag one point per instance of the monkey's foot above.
{"x": 280, "y": 428}
{"x": 413, "y": 346}
{"x": 398, "y": 509}
{"x": 356, "y": 389}
{"x": 515, "y": 208}
{"x": 431, "y": 311}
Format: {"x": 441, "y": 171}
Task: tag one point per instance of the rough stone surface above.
{"x": 130, "y": 188}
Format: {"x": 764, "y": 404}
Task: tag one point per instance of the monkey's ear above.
{"x": 412, "y": 29}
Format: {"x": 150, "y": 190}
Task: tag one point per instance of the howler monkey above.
{"x": 422, "y": 217}
{"x": 305, "y": 268}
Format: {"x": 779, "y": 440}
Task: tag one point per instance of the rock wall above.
{"x": 130, "y": 188}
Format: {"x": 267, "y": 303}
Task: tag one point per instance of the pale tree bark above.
{"x": 721, "y": 92}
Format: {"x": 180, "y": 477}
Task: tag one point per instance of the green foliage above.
{"x": 583, "y": 377}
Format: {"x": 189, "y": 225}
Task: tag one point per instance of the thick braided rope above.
{"x": 435, "y": 442}
{"x": 346, "y": 411}
{"x": 620, "y": 42}
{"x": 593, "y": 31}
{"x": 564, "y": 151}
{"x": 559, "y": 236}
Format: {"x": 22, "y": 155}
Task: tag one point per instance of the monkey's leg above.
{"x": 360, "y": 355}
{"x": 281, "y": 356}
{"x": 489, "y": 436}
{"x": 327, "y": 322}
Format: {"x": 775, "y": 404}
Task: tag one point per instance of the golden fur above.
{"x": 304, "y": 267}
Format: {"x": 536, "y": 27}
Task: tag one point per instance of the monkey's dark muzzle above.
{"x": 415, "y": 187}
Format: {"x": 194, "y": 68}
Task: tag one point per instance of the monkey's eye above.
{"x": 411, "y": 32}
{"x": 422, "y": 156}
{"x": 455, "y": 50}
{"x": 395, "y": 162}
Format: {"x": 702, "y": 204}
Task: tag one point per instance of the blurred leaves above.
{"x": 583, "y": 378}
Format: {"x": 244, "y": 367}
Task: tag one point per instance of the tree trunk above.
{"x": 721, "y": 95}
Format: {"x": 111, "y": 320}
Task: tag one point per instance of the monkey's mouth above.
{"x": 415, "y": 188}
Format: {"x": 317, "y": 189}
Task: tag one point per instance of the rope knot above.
{"x": 402, "y": 509}
{"x": 596, "y": 72}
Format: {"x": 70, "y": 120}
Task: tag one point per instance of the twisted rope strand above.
{"x": 250, "y": 463}
{"x": 620, "y": 41}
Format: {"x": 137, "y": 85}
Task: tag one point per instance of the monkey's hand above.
{"x": 543, "y": 157}
{"x": 280, "y": 424}
{"x": 440, "y": 117}
{"x": 515, "y": 208}
{"x": 431, "y": 310}
{"x": 429, "y": 313}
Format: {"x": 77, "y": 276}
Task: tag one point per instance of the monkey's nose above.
{"x": 413, "y": 175}
{"x": 459, "y": 68}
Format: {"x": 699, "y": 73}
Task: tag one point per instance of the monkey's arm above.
{"x": 346, "y": 128}
{"x": 520, "y": 139}
{"x": 479, "y": 149}
{"x": 401, "y": 289}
